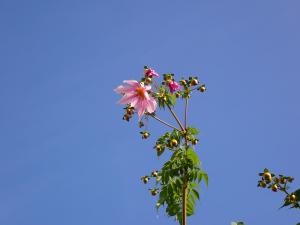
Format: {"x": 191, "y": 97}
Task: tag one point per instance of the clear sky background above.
{"x": 66, "y": 157}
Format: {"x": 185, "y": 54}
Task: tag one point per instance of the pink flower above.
{"x": 174, "y": 86}
{"x": 150, "y": 73}
{"x": 137, "y": 96}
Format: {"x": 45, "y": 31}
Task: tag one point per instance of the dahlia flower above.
{"x": 136, "y": 94}
{"x": 173, "y": 86}
{"x": 149, "y": 72}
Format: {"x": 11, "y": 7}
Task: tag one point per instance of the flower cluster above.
{"x": 141, "y": 98}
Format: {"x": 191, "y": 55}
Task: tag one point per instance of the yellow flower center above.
{"x": 140, "y": 92}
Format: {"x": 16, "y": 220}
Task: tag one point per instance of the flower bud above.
{"x": 173, "y": 143}
{"x": 267, "y": 176}
{"x": 274, "y": 188}
{"x": 129, "y": 111}
{"x": 194, "y": 82}
{"x": 148, "y": 80}
{"x": 202, "y": 88}
{"x": 126, "y": 117}
{"x": 145, "y": 135}
{"x": 154, "y": 173}
{"x": 292, "y": 198}
{"x": 177, "y": 94}
{"x": 145, "y": 179}
{"x": 194, "y": 141}
{"x": 183, "y": 82}
{"x": 262, "y": 184}
{"x": 282, "y": 180}
{"x": 153, "y": 192}
{"x": 158, "y": 147}
{"x": 276, "y": 180}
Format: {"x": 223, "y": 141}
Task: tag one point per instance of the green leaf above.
{"x": 194, "y": 185}
{"x": 196, "y": 194}
{"x": 189, "y": 208}
{"x": 159, "y": 153}
{"x": 287, "y": 202}
{"x": 199, "y": 176}
{"x": 205, "y": 177}
{"x": 173, "y": 99}
{"x": 193, "y": 156}
{"x": 202, "y": 174}
{"x": 192, "y": 199}
{"x": 297, "y": 193}
{"x": 192, "y": 130}
{"x": 179, "y": 217}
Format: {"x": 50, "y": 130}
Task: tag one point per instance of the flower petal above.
{"x": 122, "y": 89}
{"x": 141, "y": 110}
{"x": 151, "y": 105}
{"x": 132, "y": 83}
{"x": 128, "y": 98}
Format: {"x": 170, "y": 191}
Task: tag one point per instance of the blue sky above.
{"x": 67, "y": 157}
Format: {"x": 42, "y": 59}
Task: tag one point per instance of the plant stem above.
{"x": 185, "y": 112}
{"x": 163, "y": 122}
{"x": 175, "y": 116}
{"x": 184, "y": 188}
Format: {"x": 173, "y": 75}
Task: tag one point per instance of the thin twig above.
{"x": 185, "y": 112}
{"x": 175, "y": 116}
{"x": 165, "y": 123}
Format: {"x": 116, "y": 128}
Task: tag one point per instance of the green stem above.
{"x": 185, "y": 112}
{"x": 163, "y": 122}
{"x": 175, "y": 116}
{"x": 184, "y": 195}
{"x": 185, "y": 181}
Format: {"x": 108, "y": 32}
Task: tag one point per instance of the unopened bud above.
{"x": 194, "y": 82}
{"x": 183, "y": 82}
{"x": 202, "y": 88}
{"x": 126, "y": 117}
{"x": 274, "y": 187}
{"x": 145, "y": 135}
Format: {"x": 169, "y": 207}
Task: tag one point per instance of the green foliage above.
{"x": 179, "y": 178}
{"x": 294, "y": 203}
{"x": 183, "y": 168}
{"x": 237, "y": 223}
{"x": 280, "y": 183}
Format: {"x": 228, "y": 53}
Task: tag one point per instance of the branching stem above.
{"x": 163, "y": 122}
{"x": 175, "y": 116}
